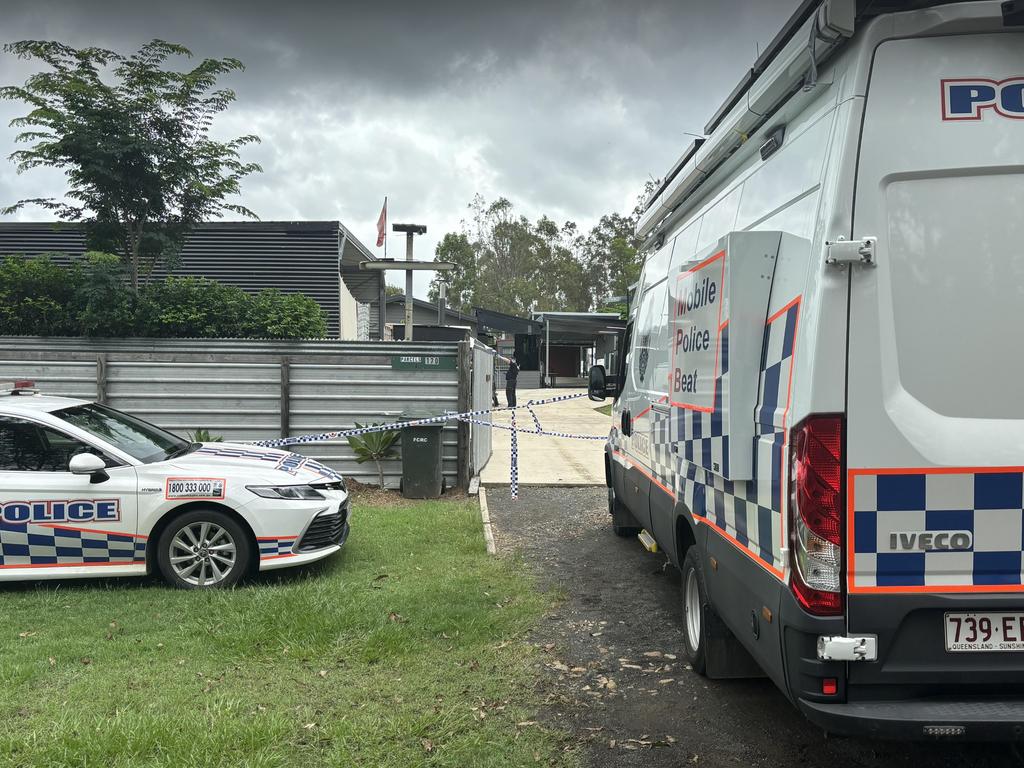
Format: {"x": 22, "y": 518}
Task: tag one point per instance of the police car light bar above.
{"x": 18, "y": 385}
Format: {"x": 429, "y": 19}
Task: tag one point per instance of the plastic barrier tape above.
{"x": 468, "y": 417}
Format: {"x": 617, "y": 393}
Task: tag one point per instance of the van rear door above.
{"x": 935, "y": 397}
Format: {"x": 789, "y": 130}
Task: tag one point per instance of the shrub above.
{"x": 91, "y": 297}
{"x": 35, "y": 297}
{"x": 101, "y": 304}
{"x": 192, "y": 307}
{"x": 275, "y": 315}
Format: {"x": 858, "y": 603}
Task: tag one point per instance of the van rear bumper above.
{"x": 981, "y": 720}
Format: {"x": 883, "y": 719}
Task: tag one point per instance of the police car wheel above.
{"x": 694, "y": 603}
{"x": 203, "y": 549}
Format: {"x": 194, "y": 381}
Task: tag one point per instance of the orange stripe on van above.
{"x": 632, "y": 463}
{"x": 780, "y": 575}
{"x": 784, "y": 463}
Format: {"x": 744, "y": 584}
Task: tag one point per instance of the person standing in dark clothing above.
{"x": 511, "y": 376}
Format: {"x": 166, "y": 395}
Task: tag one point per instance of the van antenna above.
{"x": 695, "y": 135}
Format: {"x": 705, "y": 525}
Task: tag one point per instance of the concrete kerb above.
{"x": 485, "y": 516}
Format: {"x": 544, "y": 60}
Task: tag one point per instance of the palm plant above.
{"x": 376, "y": 447}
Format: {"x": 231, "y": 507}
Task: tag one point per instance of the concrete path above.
{"x": 551, "y": 460}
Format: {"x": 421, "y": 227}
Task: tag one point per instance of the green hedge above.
{"x": 91, "y": 298}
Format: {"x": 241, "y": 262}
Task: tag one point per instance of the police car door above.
{"x": 935, "y": 396}
{"x": 51, "y": 517}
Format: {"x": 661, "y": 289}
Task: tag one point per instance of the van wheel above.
{"x": 203, "y": 549}
{"x": 695, "y": 600}
{"x": 622, "y": 520}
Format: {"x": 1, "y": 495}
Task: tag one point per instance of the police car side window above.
{"x": 29, "y": 447}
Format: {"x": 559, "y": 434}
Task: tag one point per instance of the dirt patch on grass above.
{"x": 375, "y": 496}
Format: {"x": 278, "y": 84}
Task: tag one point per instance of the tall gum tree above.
{"x": 141, "y": 168}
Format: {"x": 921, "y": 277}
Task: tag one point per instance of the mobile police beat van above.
{"x": 820, "y": 412}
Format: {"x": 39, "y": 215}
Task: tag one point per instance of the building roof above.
{"x": 399, "y": 298}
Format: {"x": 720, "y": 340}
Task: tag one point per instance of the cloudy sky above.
{"x": 565, "y": 107}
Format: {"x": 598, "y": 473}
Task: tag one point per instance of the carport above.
{"x": 573, "y": 341}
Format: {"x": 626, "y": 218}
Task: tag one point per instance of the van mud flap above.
{"x": 726, "y": 656}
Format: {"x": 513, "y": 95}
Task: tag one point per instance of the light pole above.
{"x": 411, "y": 230}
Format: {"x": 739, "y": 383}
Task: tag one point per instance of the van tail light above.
{"x": 816, "y": 514}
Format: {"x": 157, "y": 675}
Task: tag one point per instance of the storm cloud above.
{"x": 564, "y": 107}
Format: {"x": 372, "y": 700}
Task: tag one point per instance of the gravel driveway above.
{"x": 615, "y": 676}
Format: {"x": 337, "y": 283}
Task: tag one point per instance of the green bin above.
{"x": 421, "y": 458}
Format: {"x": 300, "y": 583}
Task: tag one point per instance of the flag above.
{"x": 382, "y": 223}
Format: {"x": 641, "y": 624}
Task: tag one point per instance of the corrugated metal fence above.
{"x": 254, "y": 389}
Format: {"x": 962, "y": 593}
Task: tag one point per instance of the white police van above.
{"x": 86, "y": 490}
{"x": 821, "y": 415}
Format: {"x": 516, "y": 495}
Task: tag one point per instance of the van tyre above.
{"x": 203, "y": 549}
{"x": 622, "y": 521}
{"x": 695, "y": 607}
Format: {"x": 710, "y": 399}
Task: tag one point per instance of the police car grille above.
{"x": 325, "y": 531}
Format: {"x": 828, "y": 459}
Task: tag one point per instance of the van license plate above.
{"x": 984, "y": 632}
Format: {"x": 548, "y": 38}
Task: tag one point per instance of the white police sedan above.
{"x": 86, "y": 490}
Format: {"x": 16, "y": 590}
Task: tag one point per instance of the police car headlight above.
{"x": 295, "y": 492}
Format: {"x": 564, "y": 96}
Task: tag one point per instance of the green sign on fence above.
{"x": 422, "y": 363}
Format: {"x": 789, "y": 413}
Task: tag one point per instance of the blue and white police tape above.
{"x": 513, "y": 464}
{"x": 467, "y": 416}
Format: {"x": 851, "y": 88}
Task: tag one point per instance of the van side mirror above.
{"x": 597, "y": 387}
{"x": 89, "y": 464}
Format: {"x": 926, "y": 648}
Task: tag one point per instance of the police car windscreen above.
{"x": 135, "y": 437}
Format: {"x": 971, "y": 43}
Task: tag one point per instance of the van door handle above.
{"x": 627, "y": 423}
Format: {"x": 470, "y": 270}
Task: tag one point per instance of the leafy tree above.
{"x": 460, "y": 281}
{"x": 503, "y": 261}
{"x": 142, "y": 171}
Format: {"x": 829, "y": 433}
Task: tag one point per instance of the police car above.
{"x": 86, "y": 490}
{"x": 818, "y": 412}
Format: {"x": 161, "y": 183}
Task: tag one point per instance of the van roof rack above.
{"x": 865, "y": 10}
{"x": 767, "y": 85}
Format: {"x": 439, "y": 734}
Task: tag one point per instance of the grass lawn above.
{"x": 405, "y": 649}
{"x": 605, "y": 409}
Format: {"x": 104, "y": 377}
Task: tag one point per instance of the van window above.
{"x": 957, "y": 273}
{"x": 657, "y": 264}
{"x": 685, "y": 245}
{"x": 650, "y": 361}
{"x": 795, "y": 169}
{"x": 720, "y": 219}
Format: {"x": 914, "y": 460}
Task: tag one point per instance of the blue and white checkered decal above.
{"x": 26, "y": 544}
{"x": 689, "y": 448}
{"x": 283, "y": 460}
{"x": 275, "y": 547}
{"x": 892, "y": 510}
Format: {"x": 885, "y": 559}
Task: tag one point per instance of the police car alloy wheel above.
{"x": 694, "y": 600}
{"x": 203, "y": 549}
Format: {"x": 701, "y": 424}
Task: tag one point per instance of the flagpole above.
{"x": 385, "y": 226}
